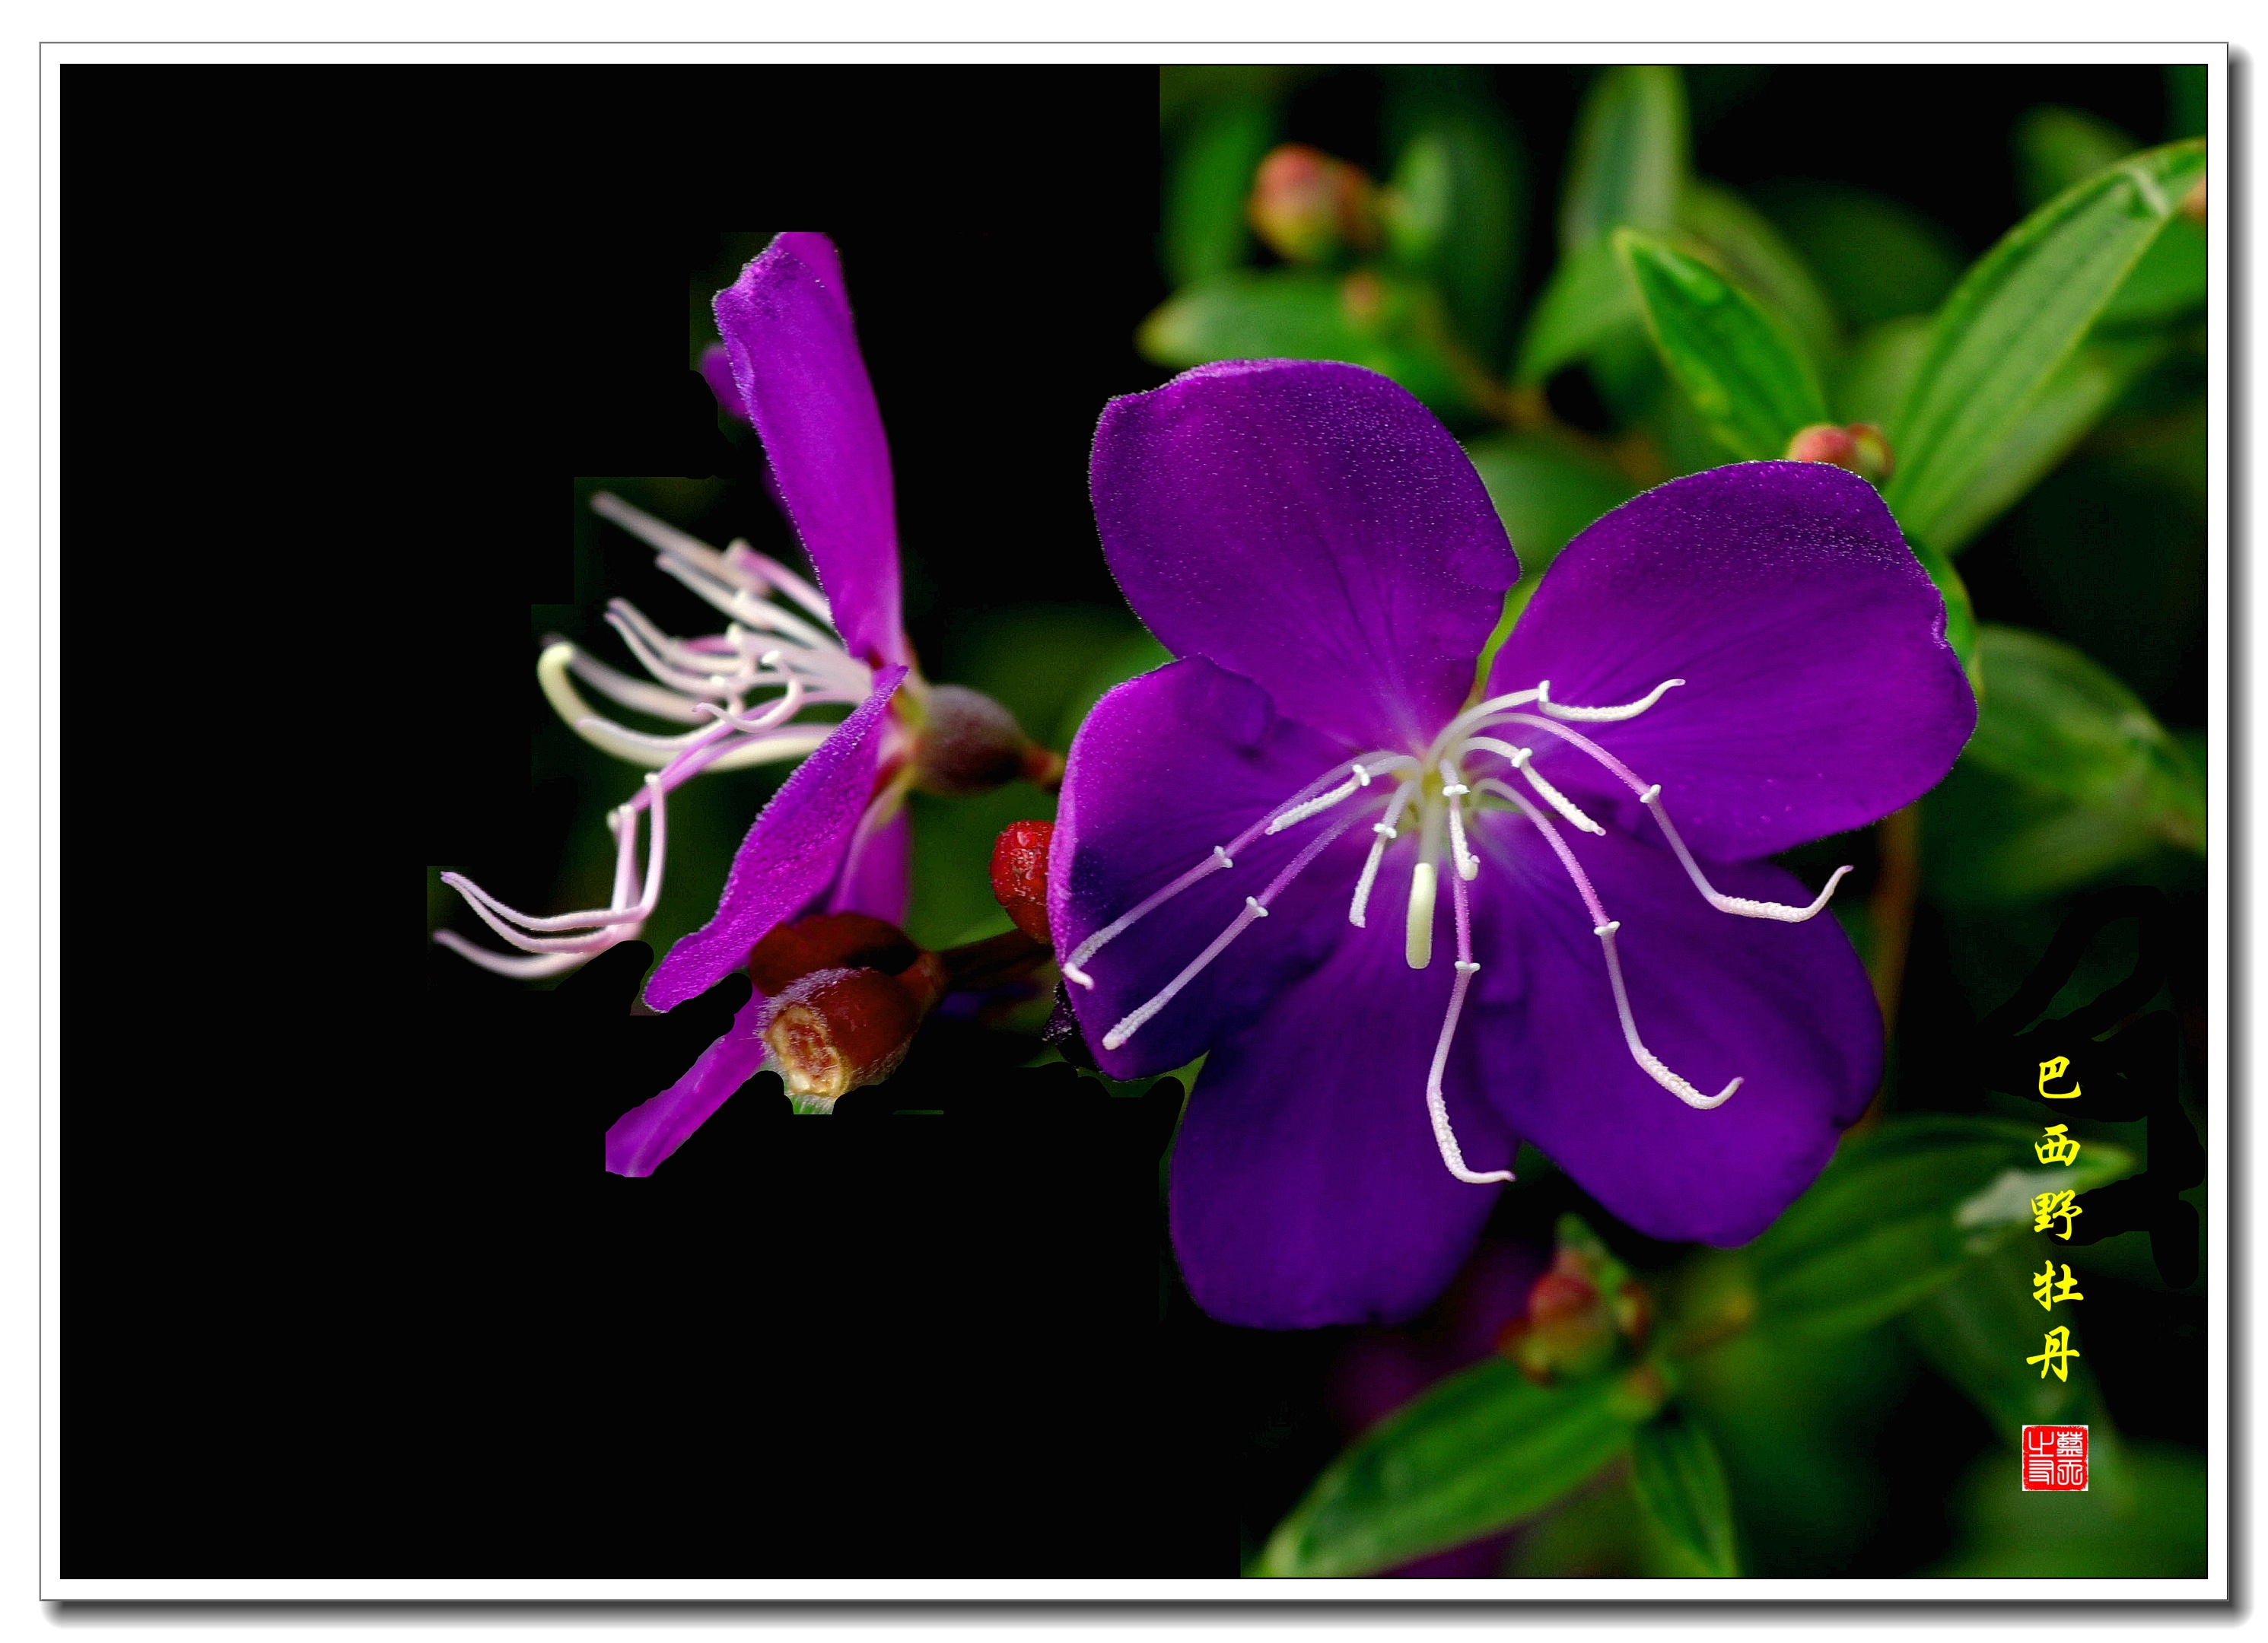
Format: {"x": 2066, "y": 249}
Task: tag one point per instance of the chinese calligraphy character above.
{"x": 2058, "y": 1147}
{"x": 2043, "y": 1283}
{"x": 2054, "y": 1067}
{"x": 2055, "y": 1457}
{"x": 2048, "y": 1205}
{"x": 2056, "y": 1354}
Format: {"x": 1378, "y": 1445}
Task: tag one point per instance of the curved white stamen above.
{"x": 1437, "y": 1106}
{"x": 1472, "y": 716}
{"x": 1740, "y": 905}
{"x": 1469, "y": 865}
{"x": 1222, "y": 858}
{"x": 1604, "y": 928}
{"x": 1385, "y": 831}
{"x": 1418, "y": 928}
{"x": 561, "y": 656}
{"x": 1628, "y": 710}
{"x": 490, "y": 908}
{"x": 1255, "y": 907}
{"x": 1551, "y": 795}
{"x": 746, "y": 559}
{"x": 1316, "y": 806}
{"x": 520, "y": 967}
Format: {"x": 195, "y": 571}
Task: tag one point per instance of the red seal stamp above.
{"x": 2055, "y": 1457}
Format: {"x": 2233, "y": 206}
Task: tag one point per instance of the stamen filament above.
{"x": 1551, "y": 795}
{"x": 1386, "y": 832}
{"x": 1740, "y": 905}
{"x": 1437, "y": 1106}
{"x": 1255, "y": 907}
{"x": 1469, "y": 865}
{"x": 1628, "y": 710}
{"x": 1604, "y": 928}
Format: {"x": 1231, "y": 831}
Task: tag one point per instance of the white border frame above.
{"x": 2215, "y": 1586}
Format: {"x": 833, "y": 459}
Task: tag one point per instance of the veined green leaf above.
{"x": 1678, "y": 1478}
{"x": 1742, "y": 374}
{"x": 2070, "y": 403}
{"x": 1903, "y": 1209}
{"x": 1629, "y": 155}
{"x": 1470, "y": 1456}
{"x": 2171, "y": 281}
{"x": 1588, "y": 300}
{"x": 1298, "y": 313}
{"x": 1211, "y": 175}
{"x": 2016, "y": 315}
{"x": 1754, "y": 253}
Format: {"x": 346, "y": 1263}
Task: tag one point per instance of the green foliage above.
{"x": 2057, "y": 147}
{"x": 1680, "y": 1480}
{"x": 1453, "y": 211}
{"x": 1756, "y": 255}
{"x": 1586, "y": 301}
{"x": 2014, "y": 319}
{"x": 1393, "y": 327}
{"x": 1978, "y": 1329}
{"x": 2154, "y": 1528}
{"x": 1205, "y": 187}
{"x": 2068, "y": 777}
{"x": 1629, "y": 158}
{"x": 1902, "y": 1210}
{"x": 1877, "y": 259}
{"x": 1749, "y": 382}
{"x": 1473, "y": 1454}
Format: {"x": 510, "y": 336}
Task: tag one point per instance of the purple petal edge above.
{"x": 646, "y": 1136}
{"x": 792, "y": 852}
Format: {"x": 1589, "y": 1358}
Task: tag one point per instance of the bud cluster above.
{"x": 1307, "y": 207}
{"x": 1582, "y": 1313}
{"x": 1860, "y": 447}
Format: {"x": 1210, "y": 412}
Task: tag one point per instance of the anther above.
{"x": 1739, "y": 906}
{"x": 1360, "y": 775}
{"x": 1551, "y": 795}
{"x": 1628, "y": 710}
{"x": 1385, "y": 831}
{"x": 1253, "y": 902}
{"x": 1465, "y": 966}
{"x": 1224, "y": 859}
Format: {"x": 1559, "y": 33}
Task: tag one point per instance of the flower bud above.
{"x": 1019, "y": 875}
{"x": 836, "y": 1030}
{"x": 968, "y": 744}
{"x": 1310, "y": 208}
{"x": 1579, "y": 1314}
{"x": 829, "y": 941}
{"x": 1861, "y": 448}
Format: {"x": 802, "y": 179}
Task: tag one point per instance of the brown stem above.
{"x": 1890, "y": 910}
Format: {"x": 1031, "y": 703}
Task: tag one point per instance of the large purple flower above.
{"x": 1753, "y": 649}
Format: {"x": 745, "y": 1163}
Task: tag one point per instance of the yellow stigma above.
{"x": 1418, "y": 936}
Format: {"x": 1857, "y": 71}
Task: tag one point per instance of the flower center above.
{"x": 1434, "y": 799}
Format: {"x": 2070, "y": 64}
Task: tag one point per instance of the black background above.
{"x": 343, "y": 1295}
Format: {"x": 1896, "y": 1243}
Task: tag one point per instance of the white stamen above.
{"x": 1551, "y": 795}
{"x": 1604, "y": 928}
{"x": 494, "y": 912}
{"x": 1226, "y": 861}
{"x": 1418, "y": 930}
{"x": 1316, "y": 806}
{"x": 1437, "y": 1105}
{"x": 1255, "y": 907}
{"x": 1360, "y": 775}
{"x": 1469, "y": 865}
{"x": 1072, "y": 972}
{"x": 1738, "y": 905}
{"x": 1628, "y": 710}
{"x": 1385, "y": 830}
{"x": 1646, "y": 1058}
{"x": 565, "y": 656}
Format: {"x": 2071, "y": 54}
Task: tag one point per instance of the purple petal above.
{"x": 1784, "y": 1007}
{"x": 717, "y": 371}
{"x": 1166, "y": 767}
{"x": 1311, "y": 526}
{"x": 1307, "y": 1188}
{"x": 875, "y": 876}
{"x": 796, "y": 365}
{"x": 649, "y": 1132}
{"x": 1819, "y": 692}
{"x": 788, "y": 856}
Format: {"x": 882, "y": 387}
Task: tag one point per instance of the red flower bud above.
{"x": 829, "y": 941}
{"x": 1309, "y": 207}
{"x": 1019, "y": 875}
{"x": 836, "y": 1030}
{"x": 1861, "y": 448}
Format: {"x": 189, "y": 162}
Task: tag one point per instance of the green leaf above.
{"x": 2014, "y": 320}
{"x": 1880, "y": 370}
{"x": 1746, "y": 381}
{"x": 2156, "y": 1527}
{"x": 1470, "y": 1454}
{"x": 1754, "y": 253}
{"x": 1297, "y": 314}
{"x": 1628, "y": 160}
{"x": 2069, "y": 776}
{"x": 1878, "y": 259}
{"x": 1901, "y": 1211}
{"x": 1205, "y": 191}
{"x": 1678, "y": 1478}
{"x": 1453, "y": 211}
{"x": 1588, "y": 300}
{"x": 1545, "y": 489}
{"x": 2169, "y": 283}
{"x": 1980, "y": 1327}
{"x": 2057, "y": 147}
{"x": 2068, "y": 406}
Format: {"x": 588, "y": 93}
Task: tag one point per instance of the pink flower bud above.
{"x": 1310, "y": 208}
{"x": 1019, "y": 875}
{"x": 1861, "y": 448}
{"x": 969, "y": 743}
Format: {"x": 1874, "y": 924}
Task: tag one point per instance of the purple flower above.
{"x": 1754, "y": 649}
{"x": 835, "y": 833}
